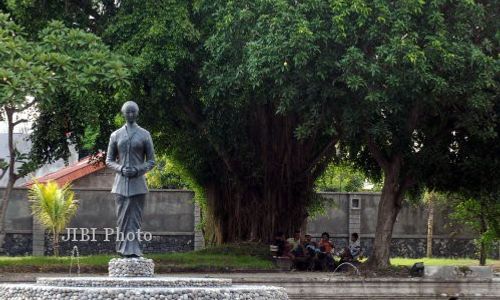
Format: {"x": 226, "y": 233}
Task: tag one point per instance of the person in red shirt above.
{"x": 325, "y": 256}
{"x": 325, "y": 245}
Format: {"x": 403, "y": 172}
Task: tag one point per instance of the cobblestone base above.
{"x": 33, "y": 291}
{"x": 133, "y": 282}
{"x": 131, "y": 267}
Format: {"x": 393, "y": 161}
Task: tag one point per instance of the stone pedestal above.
{"x": 131, "y": 267}
{"x": 132, "y": 278}
{"x": 137, "y": 288}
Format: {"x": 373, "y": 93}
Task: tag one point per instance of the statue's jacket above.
{"x": 130, "y": 150}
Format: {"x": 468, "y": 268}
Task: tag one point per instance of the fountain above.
{"x": 131, "y": 155}
{"x": 73, "y": 251}
{"x": 133, "y": 278}
{"x": 348, "y": 264}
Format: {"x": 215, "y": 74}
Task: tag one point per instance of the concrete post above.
{"x": 354, "y": 214}
{"x": 38, "y": 238}
{"x": 199, "y": 240}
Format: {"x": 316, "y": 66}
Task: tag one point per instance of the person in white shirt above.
{"x": 353, "y": 252}
{"x": 295, "y": 241}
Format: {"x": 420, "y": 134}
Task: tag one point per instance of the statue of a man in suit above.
{"x": 130, "y": 154}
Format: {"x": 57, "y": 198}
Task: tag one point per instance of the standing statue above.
{"x": 130, "y": 154}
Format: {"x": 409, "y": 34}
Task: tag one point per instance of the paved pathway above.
{"x": 316, "y": 285}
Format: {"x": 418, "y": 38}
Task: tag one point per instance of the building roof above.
{"x": 70, "y": 173}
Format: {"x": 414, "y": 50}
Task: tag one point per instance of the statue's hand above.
{"x": 129, "y": 171}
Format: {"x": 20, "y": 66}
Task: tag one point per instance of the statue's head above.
{"x": 130, "y": 111}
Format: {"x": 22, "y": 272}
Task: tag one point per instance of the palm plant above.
{"x": 53, "y": 207}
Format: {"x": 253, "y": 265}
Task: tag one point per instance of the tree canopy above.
{"x": 228, "y": 88}
{"x": 412, "y": 69}
{"x": 255, "y": 98}
{"x": 68, "y": 78}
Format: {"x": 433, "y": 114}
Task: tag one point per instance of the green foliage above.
{"x": 417, "y": 74}
{"x": 229, "y": 88}
{"x": 84, "y": 14}
{"x": 26, "y": 165}
{"x": 3, "y": 164}
{"x": 166, "y": 175}
{"x": 437, "y": 198}
{"x": 24, "y": 69}
{"x": 3, "y": 167}
{"x": 90, "y": 135}
{"x": 69, "y": 75}
{"x": 251, "y": 97}
{"x": 53, "y": 207}
{"x": 412, "y": 70}
{"x": 482, "y": 216}
{"x": 92, "y": 83}
{"x": 319, "y": 205}
{"x": 341, "y": 178}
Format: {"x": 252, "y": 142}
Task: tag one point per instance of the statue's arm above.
{"x": 150, "y": 157}
{"x": 112, "y": 154}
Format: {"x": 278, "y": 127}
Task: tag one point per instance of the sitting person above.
{"x": 353, "y": 252}
{"x": 310, "y": 250}
{"x": 300, "y": 260}
{"x": 283, "y": 247}
{"x": 296, "y": 244}
{"x": 324, "y": 257}
{"x": 310, "y": 247}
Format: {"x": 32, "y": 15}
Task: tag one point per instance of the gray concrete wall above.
{"x": 166, "y": 211}
{"x": 336, "y": 219}
{"x": 102, "y": 179}
{"x": 410, "y": 229}
{"x": 19, "y": 217}
{"x": 169, "y": 215}
{"x": 411, "y": 221}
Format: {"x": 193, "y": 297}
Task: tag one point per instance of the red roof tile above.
{"x": 70, "y": 173}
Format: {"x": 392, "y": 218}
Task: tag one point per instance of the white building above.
{"x": 23, "y": 144}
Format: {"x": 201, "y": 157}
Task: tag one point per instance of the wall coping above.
{"x": 313, "y": 234}
{"x": 394, "y": 236}
{"x": 27, "y": 231}
{"x": 350, "y": 193}
{"x": 109, "y": 190}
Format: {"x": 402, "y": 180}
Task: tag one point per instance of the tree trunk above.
{"x": 482, "y": 244}
{"x": 252, "y": 204}
{"x": 388, "y": 209}
{"x": 482, "y": 253}
{"x": 55, "y": 242}
{"x": 11, "y": 173}
{"x": 241, "y": 214}
{"x": 430, "y": 225}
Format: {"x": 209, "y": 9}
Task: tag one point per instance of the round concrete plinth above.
{"x": 133, "y": 282}
{"x": 36, "y": 291}
{"x": 131, "y": 278}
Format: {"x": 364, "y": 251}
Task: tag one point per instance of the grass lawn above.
{"x": 228, "y": 258}
{"x": 399, "y": 261}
